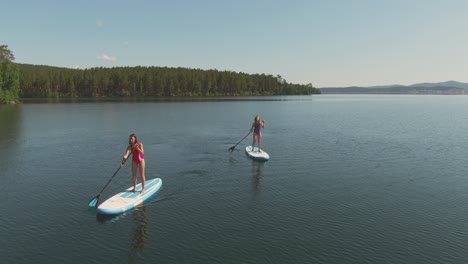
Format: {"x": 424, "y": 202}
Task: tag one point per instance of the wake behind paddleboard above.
{"x": 127, "y": 199}
{"x": 256, "y": 154}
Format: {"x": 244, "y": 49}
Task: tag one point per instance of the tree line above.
{"x": 46, "y": 81}
{"x": 9, "y": 77}
{"x": 39, "y": 81}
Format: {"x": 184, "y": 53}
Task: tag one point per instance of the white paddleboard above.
{"x": 127, "y": 199}
{"x": 256, "y": 154}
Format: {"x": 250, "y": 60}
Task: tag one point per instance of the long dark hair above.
{"x": 130, "y": 137}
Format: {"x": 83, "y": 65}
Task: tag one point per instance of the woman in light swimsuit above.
{"x": 138, "y": 160}
{"x": 257, "y": 126}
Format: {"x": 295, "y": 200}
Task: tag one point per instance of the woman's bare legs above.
{"x": 135, "y": 167}
{"x": 254, "y": 140}
{"x": 143, "y": 176}
{"x": 134, "y": 173}
{"x": 259, "y": 141}
{"x": 257, "y": 137}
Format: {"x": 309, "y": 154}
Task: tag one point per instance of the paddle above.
{"x": 95, "y": 200}
{"x": 233, "y": 147}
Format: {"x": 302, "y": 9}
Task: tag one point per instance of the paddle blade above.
{"x": 232, "y": 148}
{"x": 94, "y": 202}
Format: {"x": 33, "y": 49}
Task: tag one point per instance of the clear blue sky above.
{"x": 326, "y": 43}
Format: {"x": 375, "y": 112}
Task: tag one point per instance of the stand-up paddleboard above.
{"x": 127, "y": 199}
{"x": 256, "y": 154}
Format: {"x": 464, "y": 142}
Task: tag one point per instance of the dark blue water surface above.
{"x": 351, "y": 179}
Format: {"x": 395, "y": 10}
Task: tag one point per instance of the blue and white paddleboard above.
{"x": 127, "y": 199}
{"x": 256, "y": 154}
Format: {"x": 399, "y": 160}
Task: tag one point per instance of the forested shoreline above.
{"x": 21, "y": 81}
{"x": 37, "y": 81}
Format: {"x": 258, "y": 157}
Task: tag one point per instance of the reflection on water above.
{"x": 178, "y": 99}
{"x": 257, "y": 175}
{"x": 10, "y": 118}
{"x": 11, "y": 155}
{"x": 140, "y": 233}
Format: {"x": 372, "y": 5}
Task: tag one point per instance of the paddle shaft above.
{"x": 95, "y": 200}
{"x": 110, "y": 180}
{"x": 115, "y": 173}
{"x": 241, "y": 140}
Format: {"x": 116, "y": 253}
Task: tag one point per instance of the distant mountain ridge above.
{"x": 453, "y": 84}
{"x": 448, "y": 87}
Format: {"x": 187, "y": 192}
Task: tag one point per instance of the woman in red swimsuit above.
{"x": 138, "y": 160}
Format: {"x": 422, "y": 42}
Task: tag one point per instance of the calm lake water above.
{"x": 351, "y": 179}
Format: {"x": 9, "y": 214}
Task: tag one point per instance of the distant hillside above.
{"x": 443, "y": 84}
{"x": 449, "y": 87}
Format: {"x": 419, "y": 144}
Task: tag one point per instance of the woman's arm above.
{"x": 140, "y": 148}
{"x": 126, "y": 155}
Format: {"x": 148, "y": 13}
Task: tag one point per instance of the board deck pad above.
{"x": 127, "y": 199}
